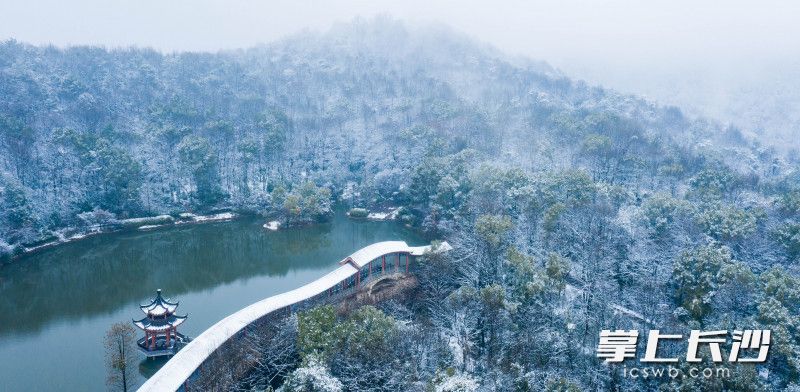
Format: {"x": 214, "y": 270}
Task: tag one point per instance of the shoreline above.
{"x": 148, "y": 223}
{"x": 158, "y": 222}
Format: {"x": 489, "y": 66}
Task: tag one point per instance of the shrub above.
{"x": 358, "y": 213}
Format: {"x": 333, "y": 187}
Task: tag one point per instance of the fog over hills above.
{"x": 735, "y": 63}
{"x": 135, "y": 131}
{"x": 763, "y": 101}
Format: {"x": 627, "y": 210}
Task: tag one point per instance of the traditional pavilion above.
{"x": 160, "y": 326}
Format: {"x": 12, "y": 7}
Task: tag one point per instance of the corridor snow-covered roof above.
{"x": 187, "y": 360}
{"x": 378, "y": 249}
{"x": 371, "y": 252}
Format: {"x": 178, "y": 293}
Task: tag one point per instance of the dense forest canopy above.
{"x": 545, "y": 183}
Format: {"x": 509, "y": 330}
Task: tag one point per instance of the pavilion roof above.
{"x": 159, "y": 306}
{"x": 159, "y": 324}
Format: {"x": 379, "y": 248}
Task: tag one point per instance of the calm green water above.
{"x": 56, "y": 305}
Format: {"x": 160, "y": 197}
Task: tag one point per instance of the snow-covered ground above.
{"x": 388, "y": 215}
{"x": 150, "y": 227}
{"x": 272, "y": 225}
{"x": 147, "y": 220}
{"x": 211, "y": 218}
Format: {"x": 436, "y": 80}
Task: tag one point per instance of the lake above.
{"x": 56, "y": 304}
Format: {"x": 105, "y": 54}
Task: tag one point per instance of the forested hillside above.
{"x": 562, "y": 197}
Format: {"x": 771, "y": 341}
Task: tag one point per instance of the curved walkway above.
{"x": 180, "y": 368}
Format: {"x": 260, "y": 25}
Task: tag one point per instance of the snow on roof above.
{"x": 159, "y": 306}
{"x": 378, "y": 249}
{"x": 187, "y": 360}
{"x": 157, "y": 325}
{"x": 159, "y": 309}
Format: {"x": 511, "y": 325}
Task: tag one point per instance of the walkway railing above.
{"x": 179, "y": 370}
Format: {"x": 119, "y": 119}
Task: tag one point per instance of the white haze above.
{"x": 737, "y": 61}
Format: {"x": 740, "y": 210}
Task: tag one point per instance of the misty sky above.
{"x": 557, "y": 31}
{"x": 646, "y": 47}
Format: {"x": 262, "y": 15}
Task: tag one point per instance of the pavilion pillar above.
{"x": 397, "y": 264}
{"x": 169, "y": 332}
{"x": 406, "y": 262}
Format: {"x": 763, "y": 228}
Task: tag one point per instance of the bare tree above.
{"x": 120, "y": 355}
{"x": 274, "y": 353}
